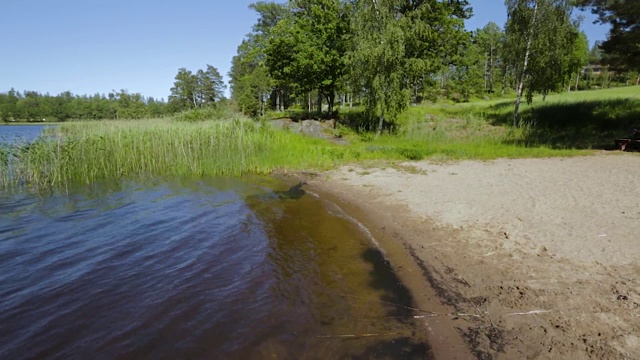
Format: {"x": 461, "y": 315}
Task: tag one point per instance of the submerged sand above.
{"x": 533, "y": 258}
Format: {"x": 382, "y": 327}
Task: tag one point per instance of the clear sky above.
{"x": 90, "y": 46}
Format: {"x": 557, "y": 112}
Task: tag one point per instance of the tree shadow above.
{"x": 398, "y": 303}
{"x": 396, "y": 297}
{"x": 581, "y": 125}
{"x": 399, "y": 348}
{"x": 361, "y": 122}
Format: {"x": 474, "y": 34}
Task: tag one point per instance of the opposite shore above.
{"x": 527, "y": 258}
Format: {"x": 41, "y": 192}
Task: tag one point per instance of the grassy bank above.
{"x": 83, "y": 153}
{"x": 87, "y": 152}
{"x": 576, "y": 120}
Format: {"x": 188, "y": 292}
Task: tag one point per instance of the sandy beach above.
{"x": 520, "y": 259}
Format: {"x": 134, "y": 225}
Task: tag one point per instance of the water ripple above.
{"x": 209, "y": 269}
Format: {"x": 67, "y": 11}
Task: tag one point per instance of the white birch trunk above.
{"x": 527, "y": 53}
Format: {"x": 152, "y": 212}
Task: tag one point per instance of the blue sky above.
{"x": 90, "y": 46}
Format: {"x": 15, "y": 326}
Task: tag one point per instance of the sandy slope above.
{"x": 547, "y": 250}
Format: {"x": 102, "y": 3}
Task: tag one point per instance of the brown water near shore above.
{"x": 443, "y": 328}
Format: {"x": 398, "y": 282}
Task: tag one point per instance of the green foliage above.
{"x": 190, "y": 91}
{"x": 469, "y": 76}
{"x": 34, "y": 106}
{"x": 83, "y": 153}
{"x": 491, "y": 39}
{"x": 541, "y": 39}
{"x": 622, "y": 47}
{"x": 396, "y": 45}
{"x": 251, "y": 84}
{"x": 207, "y": 113}
{"x": 307, "y": 48}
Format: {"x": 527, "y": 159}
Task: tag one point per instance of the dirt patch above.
{"x": 532, "y": 258}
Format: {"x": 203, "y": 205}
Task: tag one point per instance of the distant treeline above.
{"x": 202, "y": 89}
{"x": 34, "y": 106}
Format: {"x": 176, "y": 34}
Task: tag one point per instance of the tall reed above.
{"x": 83, "y": 153}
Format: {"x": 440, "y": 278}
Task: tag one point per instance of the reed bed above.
{"x": 84, "y": 153}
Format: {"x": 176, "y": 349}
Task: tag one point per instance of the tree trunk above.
{"x": 577, "y": 80}
{"x": 310, "y": 107}
{"x": 380, "y": 123}
{"x": 331, "y": 99}
{"x": 505, "y": 70}
{"x": 486, "y": 73}
{"x": 638, "y": 81}
{"x": 527, "y": 53}
{"x": 319, "y": 104}
{"x": 491, "y": 85}
{"x": 381, "y": 120}
{"x": 277, "y": 100}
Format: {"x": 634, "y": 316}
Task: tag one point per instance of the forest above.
{"x": 388, "y": 54}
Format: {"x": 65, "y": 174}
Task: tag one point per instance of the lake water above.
{"x": 20, "y": 133}
{"x": 195, "y": 269}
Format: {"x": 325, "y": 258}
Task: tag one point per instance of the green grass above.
{"x": 576, "y": 120}
{"x": 84, "y": 153}
{"x": 187, "y": 146}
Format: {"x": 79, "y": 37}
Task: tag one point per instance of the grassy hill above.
{"x": 577, "y": 120}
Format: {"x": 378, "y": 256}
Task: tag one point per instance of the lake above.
{"x": 20, "y": 133}
{"x": 222, "y": 268}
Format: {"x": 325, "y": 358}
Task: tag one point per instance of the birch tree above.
{"x": 538, "y": 34}
{"x": 397, "y": 44}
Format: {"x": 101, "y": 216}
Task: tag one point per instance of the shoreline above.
{"x": 438, "y": 320}
{"x": 495, "y": 288}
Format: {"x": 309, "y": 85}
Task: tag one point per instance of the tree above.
{"x": 579, "y": 56}
{"x": 130, "y": 105}
{"x": 197, "y": 90}
{"x": 8, "y": 105}
{"x": 538, "y": 34}
{"x": 307, "y": 49}
{"x": 209, "y": 86}
{"x": 32, "y": 105}
{"x": 469, "y": 70}
{"x": 378, "y": 60}
{"x": 623, "y": 43}
{"x": 251, "y": 83}
{"x": 433, "y": 35}
{"x": 398, "y": 45}
{"x": 183, "y": 92}
{"x": 490, "y": 39}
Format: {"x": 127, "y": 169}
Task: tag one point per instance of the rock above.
{"x": 313, "y": 128}
{"x": 280, "y": 123}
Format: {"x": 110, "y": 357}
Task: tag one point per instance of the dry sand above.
{"x": 539, "y": 258}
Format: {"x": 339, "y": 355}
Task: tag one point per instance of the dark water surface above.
{"x": 20, "y": 133}
{"x": 222, "y": 268}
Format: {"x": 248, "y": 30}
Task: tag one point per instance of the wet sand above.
{"x": 528, "y": 258}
